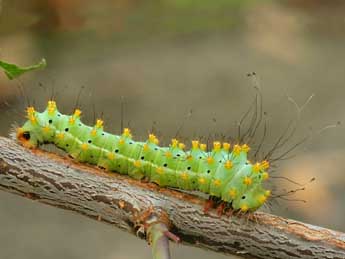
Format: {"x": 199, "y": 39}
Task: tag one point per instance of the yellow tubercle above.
{"x": 111, "y": 156}
{"x": 46, "y": 129}
{"x": 265, "y": 164}
{"x": 232, "y": 193}
{"x": 71, "y": 120}
{"x": 159, "y": 170}
{"x": 30, "y": 111}
{"x": 153, "y": 139}
{"x": 137, "y": 163}
{"x": 127, "y": 132}
{"x": 181, "y": 146}
{"x": 195, "y": 144}
{"x": 168, "y": 154}
{"x": 121, "y": 141}
{"x": 244, "y": 208}
{"x": 210, "y": 160}
{"x": 146, "y": 147}
{"x": 174, "y": 142}
{"x": 60, "y": 135}
{"x": 247, "y": 181}
{"x": 262, "y": 199}
{"x": 93, "y": 132}
{"x": 217, "y": 145}
{"x": 184, "y": 176}
{"x": 202, "y": 180}
{"x": 256, "y": 167}
{"x": 217, "y": 182}
{"x": 51, "y": 107}
{"x": 265, "y": 175}
{"x": 245, "y": 148}
{"x": 267, "y": 193}
{"x": 228, "y": 164}
{"x": 226, "y": 146}
{"x": 99, "y": 124}
{"x": 189, "y": 157}
{"x": 236, "y": 150}
{"x": 77, "y": 113}
{"x": 84, "y": 146}
{"x": 203, "y": 147}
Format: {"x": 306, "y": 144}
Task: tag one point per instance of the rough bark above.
{"x": 120, "y": 201}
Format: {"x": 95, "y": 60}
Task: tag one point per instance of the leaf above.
{"x": 13, "y": 71}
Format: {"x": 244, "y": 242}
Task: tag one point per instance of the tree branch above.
{"x": 120, "y": 201}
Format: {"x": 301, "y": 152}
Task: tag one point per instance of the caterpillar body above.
{"x": 222, "y": 172}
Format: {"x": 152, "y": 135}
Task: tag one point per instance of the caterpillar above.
{"x": 223, "y": 172}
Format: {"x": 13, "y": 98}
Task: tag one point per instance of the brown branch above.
{"x": 119, "y": 201}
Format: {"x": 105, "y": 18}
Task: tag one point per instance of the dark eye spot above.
{"x": 220, "y": 161}
{"x": 200, "y": 157}
{"x": 208, "y": 171}
{"x": 156, "y": 148}
{"x": 79, "y": 124}
{"x": 66, "y": 129}
{"x": 116, "y": 151}
{"x": 131, "y": 143}
{"x": 142, "y": 158}
{"x": 193, "y": 182}
{"x": 102, "y": 134}
{"x": 89, "y": 141}
{"x": 165, "y": 165}
{"x": 59, "y": 115}
{"x": 259, "y": 176}
{"x": 50, "y": 121}
{"x": 188, "y": 168}
{"x": 67, "y": 145}
{"x": 26, "y": 135}
{"x": 91, "y": 156}
{"x": 243, "y": 197}
{"x": 178, "y": 155}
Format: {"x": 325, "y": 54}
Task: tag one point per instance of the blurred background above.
{"x": 166, "y": 58}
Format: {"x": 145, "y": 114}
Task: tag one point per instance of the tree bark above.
{"x": 120, "y": 201}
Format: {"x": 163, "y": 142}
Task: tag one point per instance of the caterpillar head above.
{"x": 28, "y": 135}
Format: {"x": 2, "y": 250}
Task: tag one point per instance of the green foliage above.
{"x": 13, "y": 71}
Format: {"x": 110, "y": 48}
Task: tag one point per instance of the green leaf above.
{"x": 13, "y": 71}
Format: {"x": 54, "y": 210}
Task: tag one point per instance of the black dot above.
{"x": 66, "y": 129}
{"x": 165, "y": 165}
{"x": 119, "y": 165}
{"x": 156, "y": 148}
{"x": 193, "y": 182}
{"x": 188, "y": 168}
{"x": 26, "y": 135}
{"x": 91, "y": 156}
{"x": 243, "y": 197}
{"x": 59, "y": 114}
{"x": 116, "y": 151}
{"x": 102, "y": 134}
{"x": 89, "y": 141}
{"x": 178, "y": 155}
{"x": 142, "y": 158}
{"x": 220, "y": 161}
{"x": 208, "y": 171}
{"x": 50, "y": 121}
{"x": 79, "y": 124}
{"x": 200, "y": 157}
{"x": 131, "y": 143}
{"x": 67, "y": 145}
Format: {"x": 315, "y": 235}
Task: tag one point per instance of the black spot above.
{"x": 220, "y": 161}
{"x": 79, "y": 124}
{"x": 26, "y": 135}
{"x": 165, "y": 165}
{"x": 102, "y": 134}
{"x": 188, "y": 168}
{"x": 208, "y": 171}
{"x": 200, "y": 157}
{"x": 91, "y": 156}
{"x": 156, "y": 148}
{"x": 66, "y": 129}
{"x": 116, "y": 151}
{"x": 50, "y": 121}
{"x": 243, "y": 197}
{"x": 67, "y": 145}
{"x": 89, "y": 141}
{"x": 259, "y": 176}
{"x": 178, "y": 155}
{"x": 193, "y": 182}
{"x": 131, "y": 143}
{"x": 142, "y": 158}
{"x": 59, "y": 115}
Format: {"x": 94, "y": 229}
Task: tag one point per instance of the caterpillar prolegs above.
{"x": 222, "y": 172}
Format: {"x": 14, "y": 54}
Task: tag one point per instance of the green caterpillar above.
{"x": 222, "y": 172}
